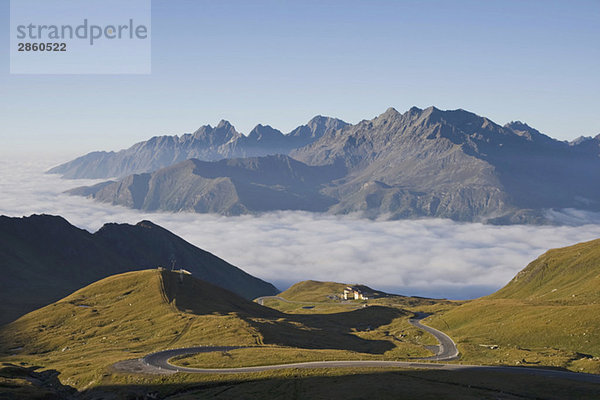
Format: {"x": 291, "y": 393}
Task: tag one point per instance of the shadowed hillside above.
{"x": 129, "y": 315}
{"x": 126, "y": 316}
{"x": 45, "y": 258}
{"x": 228, "y": 187}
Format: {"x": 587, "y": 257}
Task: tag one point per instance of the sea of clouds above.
{"x": 427, "y": 257}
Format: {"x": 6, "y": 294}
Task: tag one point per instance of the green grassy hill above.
{"x": 570, "y": 275}
{"x": 316, "y": 292}
{"x": 313, "y": 291}
{"x": 125, "y": 316}
{"x": 129, "y": 315}
{"x": 76, "y": 340}
{"x": 44, "y": 258}
{"x": 549, "y": 314}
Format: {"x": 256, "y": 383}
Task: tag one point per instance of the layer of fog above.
{"x": 431, "y": 257}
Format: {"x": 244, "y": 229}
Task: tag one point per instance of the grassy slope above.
{"x": 549, "y": 314}
{"x": 330, "y": 292}
{"x": 313, "y": 291}
{"x": 128, "y": 315}
{"x": 148, "y": 245}
{"x": 44, "y": 258}
{"x": 570, "y": 276}
{"x": 120, "y": 317}
{"x": 139, "y": 312}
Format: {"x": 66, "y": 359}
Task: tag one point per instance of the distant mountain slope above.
{"x": 207, "y": 143}
{"x": 229, "y": 187}
{"x": 44, "y": 258}
{"x": 454, "y": 164}
{"x": 422, "y": 163}
{"x": 589, "y": 145}
{"x": 549, "y": 312}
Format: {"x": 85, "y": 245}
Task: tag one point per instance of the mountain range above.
{"x": 421, "y": 163}
{"x": 207, "y": 143}
{"x": 44, "y": 258}
{"x": 229, "y": 187}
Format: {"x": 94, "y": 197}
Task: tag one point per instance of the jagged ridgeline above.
{"x": 421, "y": 163}
{"x": 44, "y": 258}
{"x": 207, "y": 143}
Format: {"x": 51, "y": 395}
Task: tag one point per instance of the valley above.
{"x": 96, "y": 337}
{"x": 300, "y": 200}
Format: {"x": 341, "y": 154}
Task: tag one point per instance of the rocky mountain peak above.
{"x": 263, "y": 131}
{"x": 203, "y": 130}
{"x": 390, "y": 112}
{"x": 224, "y": 124}
{"x": 318, "y": 119}
{"x": 581, "y": 139}
{"x": 319, "y": 124}
{"x": 518, "y": 125}
{"x": 522, "y": 129}
{"x": 431, "y": 114}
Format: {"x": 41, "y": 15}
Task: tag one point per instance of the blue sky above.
{"x": 282, "y": 62}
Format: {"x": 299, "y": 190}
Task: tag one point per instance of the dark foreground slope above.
{"x": 45, "y": 258}
{"x": 549, "y": 314}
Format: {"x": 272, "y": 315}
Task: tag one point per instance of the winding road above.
{"x": 158, "y": 363}
{"x": 261, "y": 300}
{"x": 446, "y": 350}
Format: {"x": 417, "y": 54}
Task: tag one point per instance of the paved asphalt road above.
{"x": 261, "y": 300}
{"x": 446, "y": 350}
{"x": 159, "y": 362}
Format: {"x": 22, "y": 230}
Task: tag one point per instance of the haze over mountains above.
{"x": 422, "y": 163}
{"x": 45, "y": 258}
{"x": 229, "y": 187}
{"x": 207, "y": 143}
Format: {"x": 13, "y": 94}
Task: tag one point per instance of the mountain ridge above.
{"x": 229, "y": 187}
{"x": 206, "y": 143}
{"x": 421, "y": 163}
{"x": 45, "y": 258}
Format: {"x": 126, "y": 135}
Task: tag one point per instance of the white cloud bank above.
{"x": 431, "y": 257}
